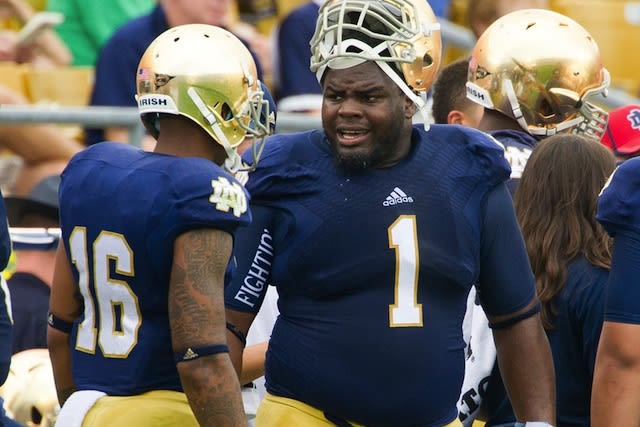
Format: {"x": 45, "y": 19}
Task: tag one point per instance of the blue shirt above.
{"x": 574, "y": 342}
{"x": 295, "y": 31}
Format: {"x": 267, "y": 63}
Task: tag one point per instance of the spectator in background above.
{"x": 35, "y": 249}
{"x": 46, "y": 50}
{"x": 292, "y": 55}
{"x": 89, "y": 24}
{"x": 623, "y": 132}
{"x": 482, "y": 13}
{"x": 570, "y": 254}
{"x": 119, "y": 57}
{"x": 450, "y": 104}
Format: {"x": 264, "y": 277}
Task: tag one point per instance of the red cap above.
{"x": 623, "y": 130}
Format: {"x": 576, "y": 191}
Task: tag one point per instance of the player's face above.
{"x": 366, "y": 117}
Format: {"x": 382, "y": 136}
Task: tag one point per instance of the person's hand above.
{"x": 8, "y": 47}
{"x": 11, "y": 51}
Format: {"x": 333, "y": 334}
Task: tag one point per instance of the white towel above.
{"x": 76, "y": 407}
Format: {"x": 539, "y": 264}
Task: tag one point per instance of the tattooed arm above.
{"x": 65, "y": 303}
{"x": 197, "y": 318}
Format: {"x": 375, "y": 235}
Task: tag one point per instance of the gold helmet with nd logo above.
{"x": 540, "y": 68}
{"x": 221, "y": 93}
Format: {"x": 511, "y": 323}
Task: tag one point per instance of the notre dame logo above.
{"x": 228, "y": 196}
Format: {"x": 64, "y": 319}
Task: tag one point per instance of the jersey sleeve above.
{"x": 252, "y": 260}
{"x": 619, "y": 202}
{"x": 285, "y": 167}
{"x": 202, "y": 195}
{"x": 506, "y": 281}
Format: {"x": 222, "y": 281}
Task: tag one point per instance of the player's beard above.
{"x": 379, "y": 153}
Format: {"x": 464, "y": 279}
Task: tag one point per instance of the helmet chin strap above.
{"x": 417, "y": 100}
{"x": 233, "y": 162}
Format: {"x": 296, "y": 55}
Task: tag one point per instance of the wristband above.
{"x": 57, "y": 323}
{"x": 193, "y": 353}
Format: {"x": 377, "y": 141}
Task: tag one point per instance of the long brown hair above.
{"x": 555, "y": 204}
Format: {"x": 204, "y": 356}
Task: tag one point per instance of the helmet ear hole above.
{"x": 545, "y": 109}
{"x": 427, "y": 60}
{"x": 226, "y": 112}
{"x": 36, "y": 416}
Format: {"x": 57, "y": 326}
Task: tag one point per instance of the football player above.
{"x": 136, "y": 317}
{"x": 535, "y": 72}
{"x": 615, "y": 400}
{"x": 373, "y": 231}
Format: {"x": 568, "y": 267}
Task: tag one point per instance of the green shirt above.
{"x": 88, "y": 24}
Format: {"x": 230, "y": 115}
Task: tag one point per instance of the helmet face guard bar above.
{"x": 258, "y": 127}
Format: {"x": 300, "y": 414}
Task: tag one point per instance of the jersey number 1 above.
{"x": 403, "y": 237}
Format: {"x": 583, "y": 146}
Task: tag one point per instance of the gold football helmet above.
{"x": 540, "y": 68}
{"x": 206, "y": 74}
{"x": 29, "y": 392}
{"x": 404, "y": 33}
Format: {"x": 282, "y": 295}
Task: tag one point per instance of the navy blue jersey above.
{"x": 574, "y": 342}
{"x": 373, "y": 270}
{"x": 517, "y": 150}
{"x": 121, "y": 209}
{"x": 619, "y": 213}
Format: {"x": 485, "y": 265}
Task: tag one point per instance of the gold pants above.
{"x": 275, "y": 411}
{"x": 161, "y": 408}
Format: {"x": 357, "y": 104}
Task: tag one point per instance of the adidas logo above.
{"x": 396, "y": 197}
{"x": 189, "y": 354}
